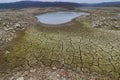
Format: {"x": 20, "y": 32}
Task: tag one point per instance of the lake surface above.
{"x": 119, "y": 15}
{"x": 59, "y": 17}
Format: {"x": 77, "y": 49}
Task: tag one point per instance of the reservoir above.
{"x": 119, "y": 15}
{"x": 59, "y": 17}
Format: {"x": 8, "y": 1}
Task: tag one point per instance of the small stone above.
{"x": 6, "y": 29}
{"x": 11, "y": 78}
{"x": 31, "y": 78}
{"x": 117, "y": 26}
{"x": 58, "y": 75}
{"x": 63, "y": 78}
{"x": 25, "y": 73}
{"x": 42, "y": 65}
{"x": 11, "y": 28}
{"x": 7, "y": 26}
{"x": 17, "y": 25}
{"x": 20, "y": 78}
{"x": 32, "y": 70}
{"x": 0, "y": 19}
{"x": 9, "y": 39}
{"x": 7, "y": 52}
{"x": 13, "y": 31}
{"x": 11, "y": 23}
{"x": 4, "y": 24}
{"x": 54, "y": 68}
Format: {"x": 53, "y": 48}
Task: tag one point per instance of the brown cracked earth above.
{"x": 87, "y": 48}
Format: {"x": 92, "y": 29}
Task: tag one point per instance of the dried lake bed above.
{"x": 88, "y": 47}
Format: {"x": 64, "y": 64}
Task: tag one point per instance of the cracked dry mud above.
{"x": 77, "y": 50}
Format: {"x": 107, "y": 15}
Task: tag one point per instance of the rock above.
{"x": 6, "y": 29}
{"x": 11, "y": 23}
{"x": 58, "y": 75}
{"x": 7, "y": 26}
{"x": 4, "y": 24}
{"x": 25, "y": 73}
{"x": 12, "y": 78}
{"x": 7, "y": 52}
{"x": 64, "y": 78}
{"x": 0, "y": 19}
{"x": 17, "y": 25}
{"x": 9, "y": 39}
{"x": 117, "y": 26}
{"x": 54, "y": 68}
{"x": 114, "y": 19}
{"x": 13, "y": 31}
{"x": 11, "y": 28}
{"x": 31, "y": 78}
{"x": 20, "y": 78}
{"x": 32, "y": 70}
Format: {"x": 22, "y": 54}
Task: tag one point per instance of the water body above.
{"x": 59, "y": 17}
{"x": 119, "y": 15}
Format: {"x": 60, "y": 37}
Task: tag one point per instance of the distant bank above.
{"x": 27, "y": 4}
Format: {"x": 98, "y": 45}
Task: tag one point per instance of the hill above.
{"x": 26, "y": 4}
